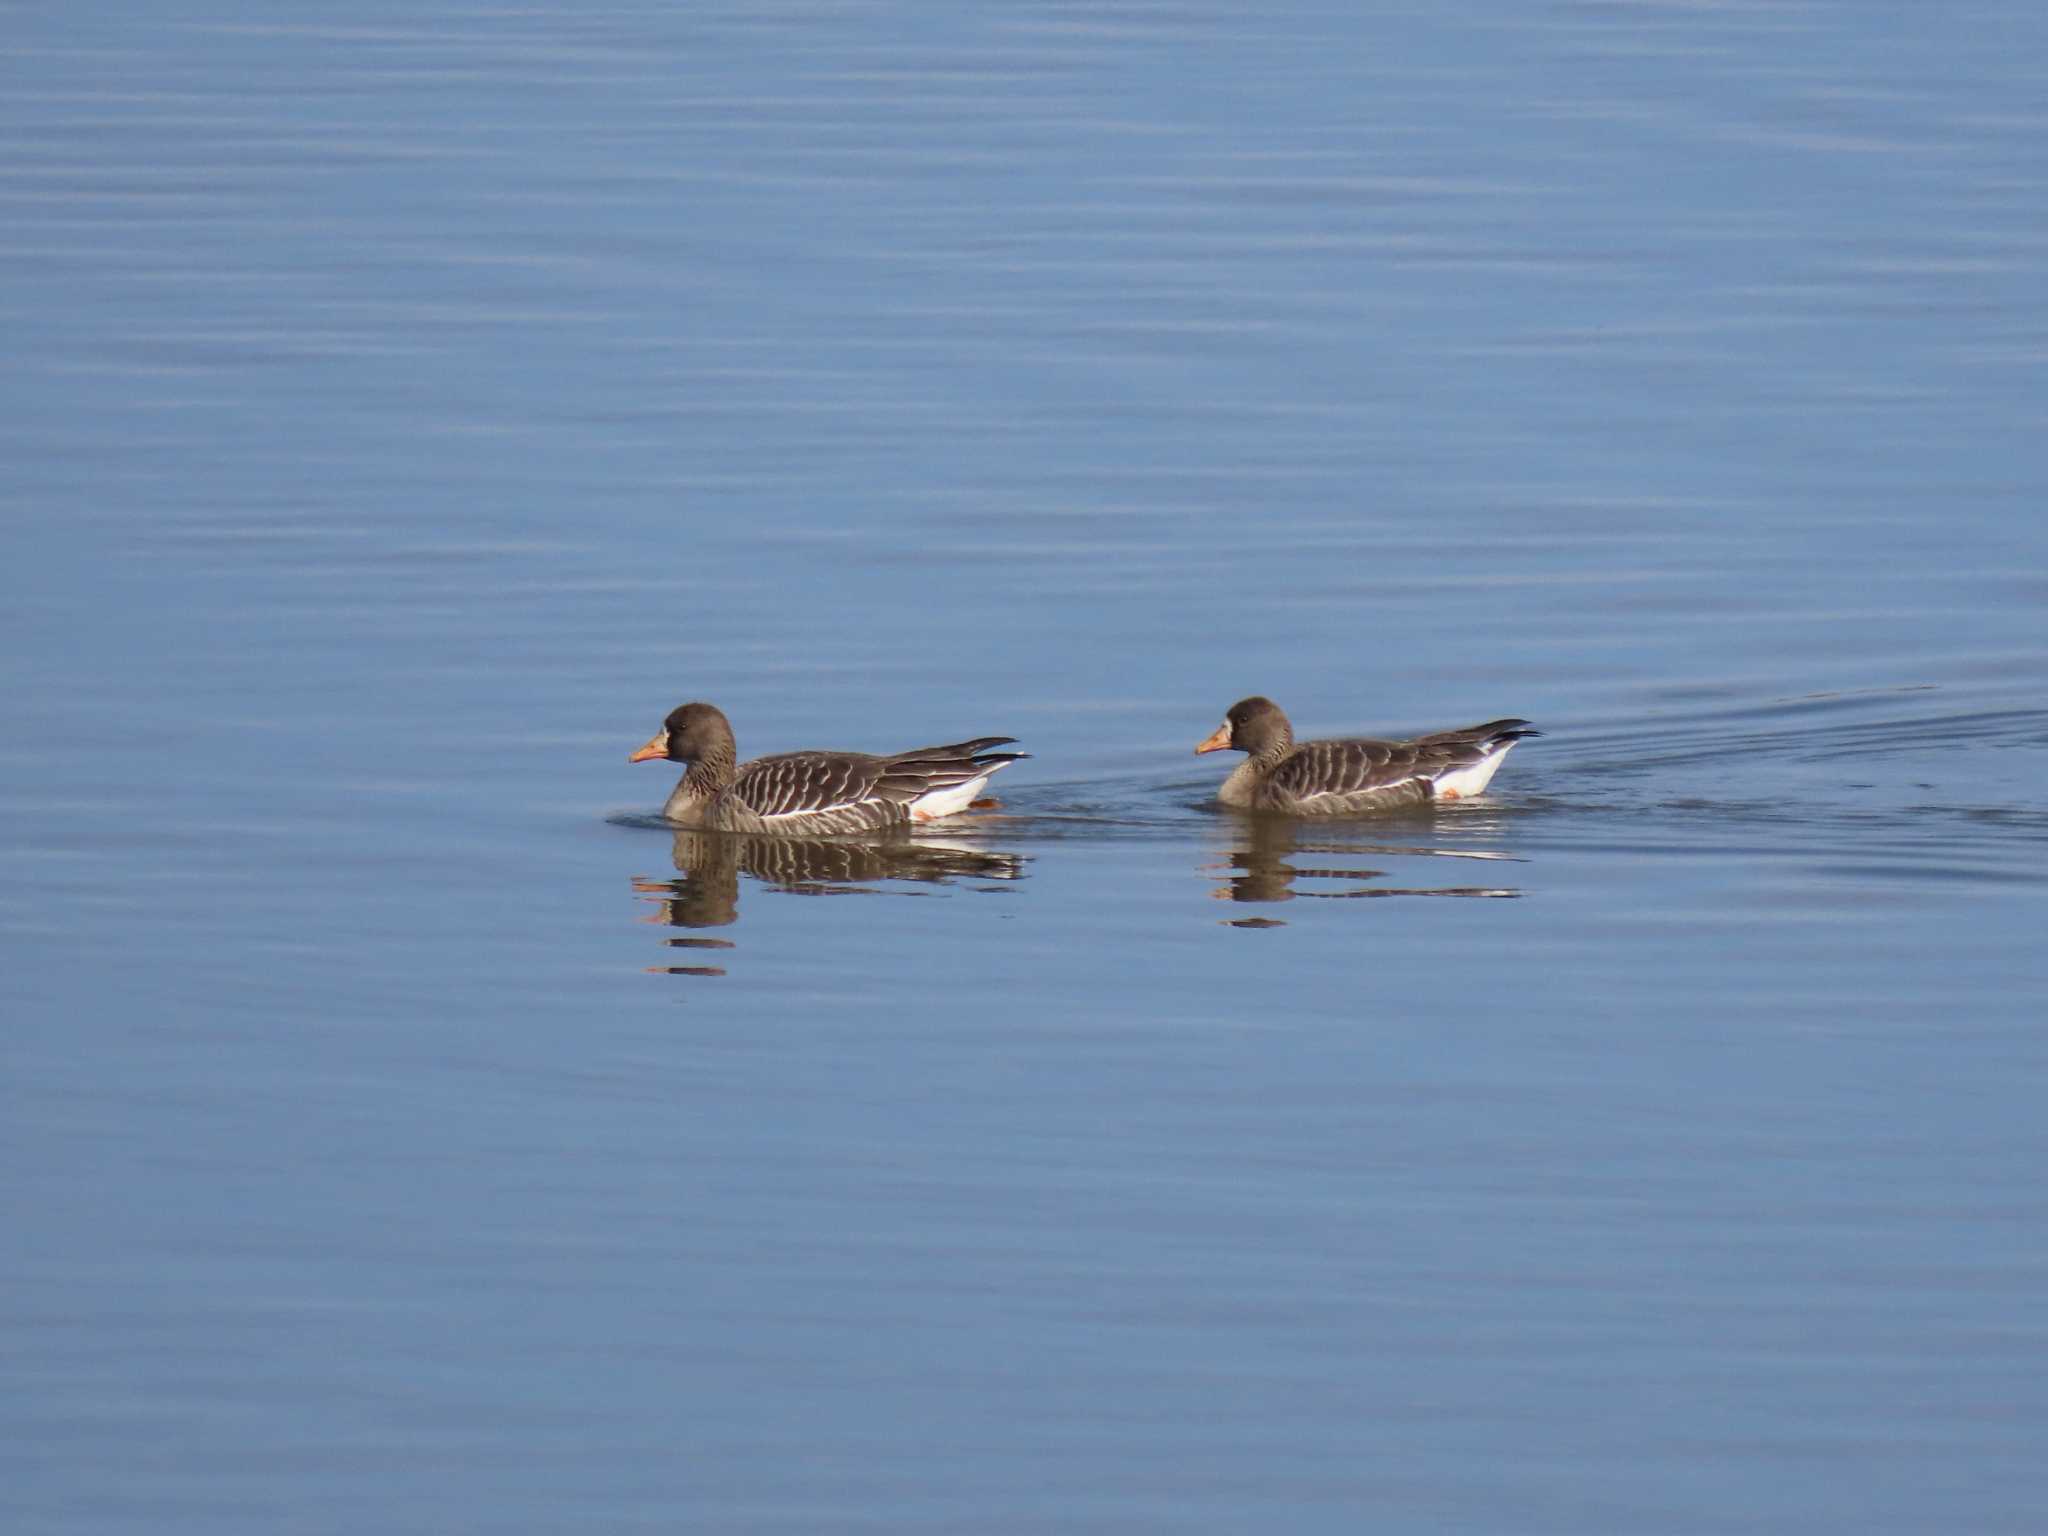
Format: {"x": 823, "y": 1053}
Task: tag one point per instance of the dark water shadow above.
{"x": 1268, "y": 863}
{"x": 710, "y": 866}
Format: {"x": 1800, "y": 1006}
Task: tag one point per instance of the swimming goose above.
{"x": 808, "y": 793}
{"x": 1342, "y": 778}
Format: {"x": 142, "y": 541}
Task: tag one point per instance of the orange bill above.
{"x": 1217, "y": 741}
{"x": 657, "y": 746}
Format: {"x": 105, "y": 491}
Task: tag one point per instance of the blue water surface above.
{"x": 406, "y": 405}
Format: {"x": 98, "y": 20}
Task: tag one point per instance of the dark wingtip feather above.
{"x": 1505, "y": 730}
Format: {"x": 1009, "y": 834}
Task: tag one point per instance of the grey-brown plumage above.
{"x": 809, "y": 793}
{"x": 1345, "y": 777}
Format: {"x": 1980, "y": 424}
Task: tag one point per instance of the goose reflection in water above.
{"x": 1267, "y": 846}
{"x": 706, "y": 890}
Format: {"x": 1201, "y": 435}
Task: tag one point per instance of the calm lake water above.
{"x": 406, "y": 405}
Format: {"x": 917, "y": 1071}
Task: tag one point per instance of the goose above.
{"x": 1342, "y": 778}
{"x": 804, "y": 794}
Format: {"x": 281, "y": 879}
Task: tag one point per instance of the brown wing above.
{"x": 820, "y": 783}
{"x": 1325, "y": 773}
{"x": 929, "y": 770}
{"x": 959, "y": 749}
{"x": 1482, "y": 738}
{"x": 1338, "y": 770}
{"x": 808, "y": 783}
